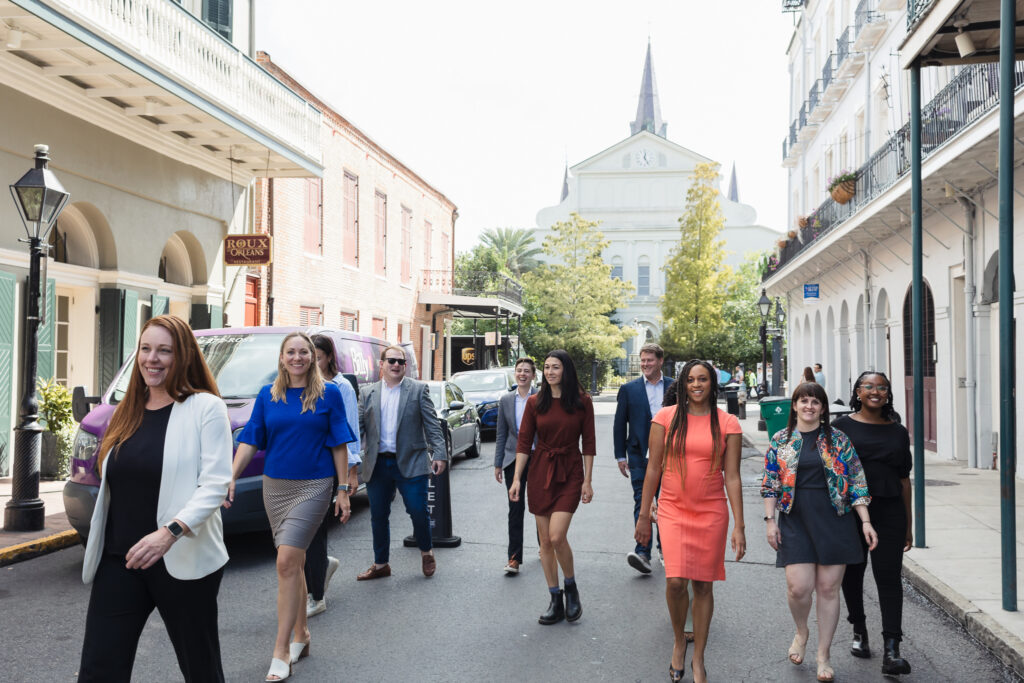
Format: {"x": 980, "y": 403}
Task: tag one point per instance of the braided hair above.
{"x": 888, "y": 411}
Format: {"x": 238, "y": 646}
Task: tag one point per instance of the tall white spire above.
{"x": 648, "y": 109}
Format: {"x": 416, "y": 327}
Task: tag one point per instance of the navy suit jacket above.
{"x": 633, "y": 418}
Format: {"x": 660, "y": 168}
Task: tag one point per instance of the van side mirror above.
{"x": 81, "y": 404}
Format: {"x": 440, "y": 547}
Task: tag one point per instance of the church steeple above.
{"x": 734, "y": 190}
{"x": 565, "y": 184}
{"x": 648, "y": 109}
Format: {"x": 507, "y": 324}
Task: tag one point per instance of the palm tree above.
{"x": 514, "y": 247}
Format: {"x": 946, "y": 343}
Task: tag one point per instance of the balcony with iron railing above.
{"x": 793, "y": 5}
{"x": 971, "y": 94}
{"x": 475, "y": 283}
{"x": 828, "y": 71}
{"x": 916, "y": 10}
{"x": 176, "y": 43}
{"x": 869, "y": 25}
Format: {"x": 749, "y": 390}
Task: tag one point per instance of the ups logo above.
{"x": 468, "y": 355}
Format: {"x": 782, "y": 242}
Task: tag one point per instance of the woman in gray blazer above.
{"x": 510, "y": 414}
{"x": 155, "y": 540}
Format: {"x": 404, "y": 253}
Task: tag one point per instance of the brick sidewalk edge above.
{"x": 982, "y": 627}
{"x": 41, "y": 546}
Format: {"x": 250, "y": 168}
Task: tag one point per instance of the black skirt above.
{"x": 812, "y": 532}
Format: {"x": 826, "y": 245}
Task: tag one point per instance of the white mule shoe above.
{"x": 297, "y": 651}
{"x": 279, "y": 668}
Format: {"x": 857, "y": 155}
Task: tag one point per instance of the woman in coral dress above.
{"x": 694, "y": 454}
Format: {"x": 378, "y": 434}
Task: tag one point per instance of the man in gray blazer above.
{"x": 402, "y": 446}
{"x": 510, "y": 414}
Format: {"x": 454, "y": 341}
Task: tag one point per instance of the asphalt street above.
{"x": 472, "y": 623}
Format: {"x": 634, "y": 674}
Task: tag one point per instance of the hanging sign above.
{"x": 247, "y": 250}
{"x": 811, "y": 293}
{"x": 492, "y": 338}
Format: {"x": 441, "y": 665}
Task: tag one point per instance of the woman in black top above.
{"x": 884, "y": 449}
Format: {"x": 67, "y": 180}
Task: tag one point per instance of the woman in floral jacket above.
{"x": 813, "y": 476}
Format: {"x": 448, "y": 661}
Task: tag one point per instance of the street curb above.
{"x": 982, "y": 627}
{"x": 42, "y": 546}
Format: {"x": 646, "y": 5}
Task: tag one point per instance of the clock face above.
{"x": 644, "y": 158}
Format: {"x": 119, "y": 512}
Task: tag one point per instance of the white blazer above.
{"x": 193, "y": 484}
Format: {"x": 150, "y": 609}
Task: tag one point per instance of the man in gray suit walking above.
{"x": 402, "y": 446}
{"x": 510, "y": 414}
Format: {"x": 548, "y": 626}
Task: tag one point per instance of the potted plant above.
{"x": 802, "y": 222}
{"x": 782, "y": 243}
{"x": 791, "y": 234}
{"x": 58, "y": 437}
{"x": 843, "y": 186}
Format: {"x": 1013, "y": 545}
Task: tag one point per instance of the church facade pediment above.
{"x": 643, "y": 151}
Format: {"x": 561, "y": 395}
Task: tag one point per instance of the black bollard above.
{"x": 439, "y": 505}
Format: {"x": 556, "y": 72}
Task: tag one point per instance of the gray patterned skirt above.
{"x": 295, "y": 508}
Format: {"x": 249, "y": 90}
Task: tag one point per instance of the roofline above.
{"x": 640, "y": 132}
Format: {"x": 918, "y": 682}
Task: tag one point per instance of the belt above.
{"x": 556, "y": 458}
{"x": 386, "y": 455}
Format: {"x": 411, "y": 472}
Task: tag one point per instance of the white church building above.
{"x": 637, "y": 190}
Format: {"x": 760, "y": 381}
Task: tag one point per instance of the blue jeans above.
{"x": 637, "y": 472}
{"x": 381, "y": 491}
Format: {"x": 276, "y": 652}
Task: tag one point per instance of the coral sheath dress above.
{"x": 693, "y": 513}
{"x": 555, "y": 476}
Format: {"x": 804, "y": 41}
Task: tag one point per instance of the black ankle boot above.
{"x": 892, "y": 663}
{"x": 859, "y": 646}
{"x": 555, "y": 612}
{"x": 573, "y": 608}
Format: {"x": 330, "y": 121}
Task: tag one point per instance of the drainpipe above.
{"x": 270, "y": 268}
{"x": 917, "y": 300}
{"x": 970, "y": 381}
{"x": 867, "y": 110}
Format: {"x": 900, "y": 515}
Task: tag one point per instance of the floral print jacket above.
{"x": 843, "y": 473}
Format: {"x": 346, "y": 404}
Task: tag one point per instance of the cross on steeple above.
{"x": 648, "y": 109}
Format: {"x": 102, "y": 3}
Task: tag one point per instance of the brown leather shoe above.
{"x": 429, "y": 565}
{"x": 374, "y": 572}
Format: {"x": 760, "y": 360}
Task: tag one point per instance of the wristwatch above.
{"x": 766, "y": 518}
{"x": 176, "y": 529}
{"x": 343, "y": 487}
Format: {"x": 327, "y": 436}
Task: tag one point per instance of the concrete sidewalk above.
{"x": 57, "y": 533}
{"x": 960, "y": 569}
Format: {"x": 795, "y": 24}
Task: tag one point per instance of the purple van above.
{"x": 242, "y": 360}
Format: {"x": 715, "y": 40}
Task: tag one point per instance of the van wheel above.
{"x": 475, "y": 450}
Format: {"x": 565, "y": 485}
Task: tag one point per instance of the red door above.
{"x": 252, "y": 301}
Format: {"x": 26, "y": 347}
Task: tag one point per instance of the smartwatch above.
{"x": 176, "y": 529}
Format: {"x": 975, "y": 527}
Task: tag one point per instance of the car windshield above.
{"x": 241, "y": 363}
{"x": 488, "y": 381}
{"x": 435, "y": 395}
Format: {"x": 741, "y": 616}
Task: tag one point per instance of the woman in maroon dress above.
{"x": 559, "y": 415}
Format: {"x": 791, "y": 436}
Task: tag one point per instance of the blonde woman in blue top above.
{"x": 299, "y": 421}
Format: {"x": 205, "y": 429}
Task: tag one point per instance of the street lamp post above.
{"x": 40, "y": 198}
{"x": 764, "y": 307}
{"x": 780, "y": 321}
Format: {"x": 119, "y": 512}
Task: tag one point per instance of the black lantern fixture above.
{"x": 780, "y": 315}
{"x": 40, "y": 198}
{"x": 764, "y": 305}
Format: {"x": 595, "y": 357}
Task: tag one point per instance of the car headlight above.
{"x": 85, "y": 445}
{"x": 489, "y": 405}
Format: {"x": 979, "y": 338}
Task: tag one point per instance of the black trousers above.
{"x": 516, "y": 510}
{"x": 119, "y": 605}
{"x": 315, "y": 568}
{"x": 889, "y": 518}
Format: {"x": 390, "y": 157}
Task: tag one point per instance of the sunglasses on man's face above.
{"x": 392, "y": 361}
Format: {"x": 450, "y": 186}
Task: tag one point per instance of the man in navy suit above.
{"x": 638, "y": 401}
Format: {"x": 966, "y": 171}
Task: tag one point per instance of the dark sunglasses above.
{"x": 392, "y": 361}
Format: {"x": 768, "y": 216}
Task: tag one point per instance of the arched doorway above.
{"x": 881, "y": 326}
{"x": 930, "y": 354}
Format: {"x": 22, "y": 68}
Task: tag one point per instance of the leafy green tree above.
{"x": 697, "y": 282}
{"x": 515, "y": 248}
{"x": 571, "y": 298}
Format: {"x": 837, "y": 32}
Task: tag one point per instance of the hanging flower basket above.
{"x": 792, "y": 233}
{"x": 844, "y": 191}
{"x": 782, "y": 243}
{"x": 802, "y": 222}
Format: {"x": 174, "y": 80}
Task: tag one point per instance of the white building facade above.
{"x": 850, "y": 106}
{"x": 637, "y": 190}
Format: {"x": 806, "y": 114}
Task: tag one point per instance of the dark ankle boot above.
{"x": 573, "y": 608}
{"x": 859, "y": 646}
{"x": 555, "y": 612}
{"x": 892, "y": 663}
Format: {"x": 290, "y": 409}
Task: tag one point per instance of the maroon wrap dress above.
{"x": 555, "y": 476}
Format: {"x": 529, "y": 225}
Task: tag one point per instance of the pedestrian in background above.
{"x": 511, "y": 407}
{"x": 695, "y": 457}
{"x": 299, "y": 422}
{"x": 560, "y": 416}
{"x": 808, "y": 375}
{"x": 636, "y": 403}
{"x": 402, "y": 446}
{"x": 883, "y": 446}
{"x": 814, "y": 477}
{"x": 155, "y": 539}
{"x": 819, "y": 376}
{"x": 319, "y": 567}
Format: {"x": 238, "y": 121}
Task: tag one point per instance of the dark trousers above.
{"x": 380, "y": 490}
{"x": 315, "y": 568}
{"x": 637, "y": 472}
{"x": 889, "y": 518}
{"x": 516, "y": 511}
{"x": 119, "y": 605}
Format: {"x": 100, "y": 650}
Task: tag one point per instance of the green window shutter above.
{"x": 46, "y": 356}
{"x": 160, "y": 305}
{"x": 131, "y": 323}
{"x": 110, "y": 334}
{"x": 200, "y": 318}
{"x": 216, "y": 316}
{"x": 7, "y": 389}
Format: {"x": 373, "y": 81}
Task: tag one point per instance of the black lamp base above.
{"x": 25, "y": 515}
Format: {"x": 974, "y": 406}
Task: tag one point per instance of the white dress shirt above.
{"x": 389, "y": 417}
{"x": 655, "y": 394}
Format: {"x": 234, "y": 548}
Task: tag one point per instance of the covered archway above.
{"x": 930, "y": 355}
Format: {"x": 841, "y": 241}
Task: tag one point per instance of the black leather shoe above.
{"x": 555, "y": 612}
{"x": 573, "y": 608}
{"x": 859, "y": 646}
{"x": 892, "y": 663}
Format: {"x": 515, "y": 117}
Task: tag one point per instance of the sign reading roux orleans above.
{"x": 247, "y": 250}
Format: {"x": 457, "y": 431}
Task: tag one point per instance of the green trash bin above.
{"x": 775, "y": 413}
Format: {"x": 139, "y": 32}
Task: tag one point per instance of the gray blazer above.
{"x": 418, "y": 439}
{"x": 508, "y": 431}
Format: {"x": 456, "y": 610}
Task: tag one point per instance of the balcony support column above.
{"x": 1007, "y": 340}
{"x": 917, "y": 300}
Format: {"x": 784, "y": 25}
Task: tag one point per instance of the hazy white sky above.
{"x": 488, "y": 100}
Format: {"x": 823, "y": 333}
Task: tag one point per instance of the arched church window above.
{"x": 617, "y": 268}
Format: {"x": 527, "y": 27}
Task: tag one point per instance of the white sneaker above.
{"x": 639, "y": 562}
{"x": 314, "y": 607}
{"x": 332, "y": 566}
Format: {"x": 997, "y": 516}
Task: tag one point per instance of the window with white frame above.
{"x": 643, "y": 277}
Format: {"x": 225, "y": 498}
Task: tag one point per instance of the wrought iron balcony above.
{"x": 812, "y": 98}
{"x": 843, "y": 44}
{"x": 793, "y": 5}
{"x": 827, "y": 72}
{"x": 480, "y": 283}
{"x": 971, "y": 94}
{"x": 802, "y": 117}
{"x": 916, "y": 9}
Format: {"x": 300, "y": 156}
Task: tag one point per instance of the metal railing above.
{"x": 793, "y": 130}
{"x": 785, "y": 148}
{"x": 802, "y": 118}
{"x": 827, "y": 72}
{"x": 191, "y": 53}
{"x": 843, "y": 45}
{"x": 971, "y": 94}
{"x": 916, "y": 9}
{"x": 866, "y": 13}
{"x": 472, "y": 283}
{"x": 812, "y": 98}
{"x": 793, "y": 5}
